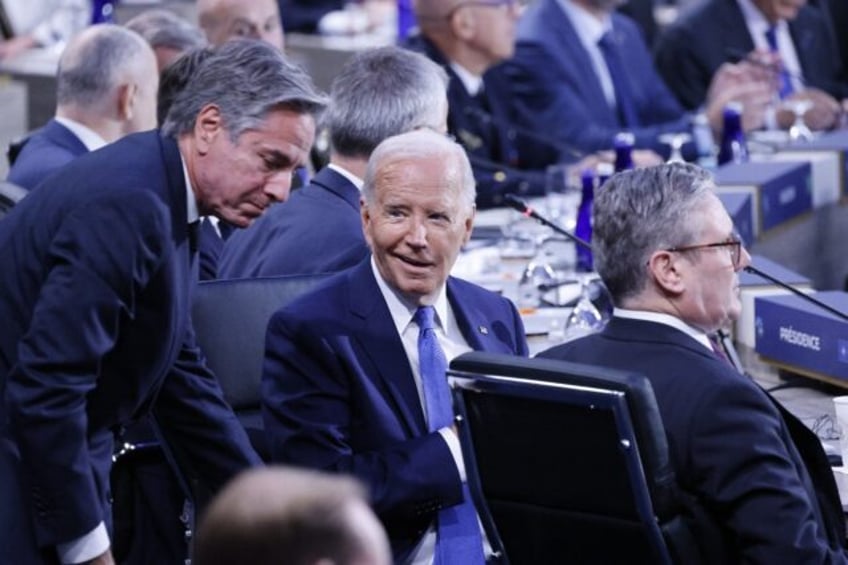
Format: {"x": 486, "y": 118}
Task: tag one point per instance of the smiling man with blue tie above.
{"x": 354, "y": 378}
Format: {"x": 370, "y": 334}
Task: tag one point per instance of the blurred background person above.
{"x": 106, "y": 88}
{"x": 221, "y": 20}
{"x": 787, "y": 36}
{"x": 167, "y": 33}
{"x": 281, "y": 515}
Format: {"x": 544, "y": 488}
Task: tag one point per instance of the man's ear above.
{"x": 664, "y": 269}
{"x": 462, "y": 23}
{"x": 207, "y": 126}
{"x": 127, "y": 93}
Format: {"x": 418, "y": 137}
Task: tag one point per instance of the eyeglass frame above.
{"x": 734, "y": 242}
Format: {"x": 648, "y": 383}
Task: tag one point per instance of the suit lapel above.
{"x": 376, "y": 334}
{"x": 474, "y": 323}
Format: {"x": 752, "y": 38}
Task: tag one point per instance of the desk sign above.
{"x": 835, "y": 142}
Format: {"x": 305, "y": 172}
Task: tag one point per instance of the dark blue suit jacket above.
{"x": 95, "y": 293}
{"x": 47, "y": 150}
{"x": 504, "y": 160}
{"x": 338, "y": 394}
{"x": 690, "y": 51}
{"x": 557, "y": 91}
{"x": 759, "y": 473}
{"x": 317, "y": 230}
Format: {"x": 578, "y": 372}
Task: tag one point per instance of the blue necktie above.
{"x": 627, "y": 115}
{"x": 458, "y": 536}
{"x": 785, "y": 87}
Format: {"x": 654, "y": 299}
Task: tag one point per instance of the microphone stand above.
{"x": 515, "y": 202}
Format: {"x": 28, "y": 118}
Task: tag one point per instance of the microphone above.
{"x": 488, "y": 118}
{"x": 811, "y": 299}
{"x": 515, "y": 202}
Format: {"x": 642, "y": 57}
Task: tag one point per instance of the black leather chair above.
{"x": 10, "y": 194}
{"x": 569, "y": 463}
{"x": 230, "y": 318}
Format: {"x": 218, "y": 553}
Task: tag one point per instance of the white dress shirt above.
{"x": 758, "y": 24}
{"x": 589, "y": 30}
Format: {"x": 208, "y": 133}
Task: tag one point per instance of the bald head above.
{"x": 276, "y": 514}
{"x": 227, "y": 19}
{"x": 107, "y": 80}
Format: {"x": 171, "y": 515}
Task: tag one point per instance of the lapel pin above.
{"x": 483, "y": 330}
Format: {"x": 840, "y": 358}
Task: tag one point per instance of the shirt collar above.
{"x": 667, "y": 320}
{"x": 473, "y": 83}
{"x": 588, "y": 28}
{"x": 191, "y": 201}
{"x": 402, "y": 311}
{"x": 90, "y": 138}
{"x": 352, "y": 178}
{"x": 757, "y": 22}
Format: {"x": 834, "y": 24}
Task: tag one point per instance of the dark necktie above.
{"x": 785, "y": 83}
{"x": 193, "y": 236}
{"x": 458, "y": 536}
{"x": 718, "y": 350}
{"x": 625, "y": 103}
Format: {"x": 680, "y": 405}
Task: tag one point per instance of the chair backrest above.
{"x": 569, "y": 462}
{"x": 230, "y": 318}
{"x": 10, "y": 194}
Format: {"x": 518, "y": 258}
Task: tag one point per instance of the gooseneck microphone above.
{"x": 515, "y": 202}
{"x": 811, "y": 299}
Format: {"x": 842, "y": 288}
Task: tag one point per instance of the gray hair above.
{"x": 246, "y": 79}
{"x": 95, "y": 61}
{"x": 384, "y": 92}
{"x": 164, "y": 28}
{"x": 640, "y": 211}
{"x": 418, "y": 144}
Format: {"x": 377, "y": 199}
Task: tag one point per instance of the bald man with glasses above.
{"x": 666, "y": 250}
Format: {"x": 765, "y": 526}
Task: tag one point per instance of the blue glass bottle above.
{"x": 583, "y": 227}
{"x": 623, "y": 145}
{"x": 734, "y": 147}
{"x": 405, "y": 19}
{"x": 103, "y": 11}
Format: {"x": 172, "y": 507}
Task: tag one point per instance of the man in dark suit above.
{"x": 344, "y": 385}
{"x": 666, "y": 249}
{"x": 106, "y": 88}
{"x": 469, "y": 40}
{"x": 691, "y": 50}
{"x": 379, "y": 93}
{"x": 564, "y": 84}
{"x": 95, "y": 295}
{"x": 302, "y": 16}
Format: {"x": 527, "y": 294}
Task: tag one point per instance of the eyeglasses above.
{"x": 733, "y": 245}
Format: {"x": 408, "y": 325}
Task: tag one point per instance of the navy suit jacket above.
{"x": 95, "y": 292}
{"x": 505, "y": 161}
{"x": 758, "y": 471}
{"x": 690, "y": 51}
{"x": 339, "y": 395}
{"x": 47, "y": 150}
{"x": 556, "y": 89}
{"x": 317, "y": 230}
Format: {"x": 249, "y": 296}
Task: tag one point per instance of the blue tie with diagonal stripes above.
{"x": 625, "y": 103}
{"x": 458, "y": 539}
{"x": 785, "y": 87}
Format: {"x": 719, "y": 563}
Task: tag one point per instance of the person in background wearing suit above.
{"x": 280, "y": 515}
{"x": 354, "y": 375}
{"x": 378, "y": 94}
{"x": 167, "y": 33}
{"x": 805, "y": 60}
{"x": 468, "y": 40}
{"x": 96, "y": 275}
{"x": 221, "y": 20}
{"x": 583, "y": 72}
{"x": 106, "y": 89}
{"x": 303, "y": 16}
{"x": 666, "y": 249}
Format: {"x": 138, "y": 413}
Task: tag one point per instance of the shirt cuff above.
{"x": 85, "y": 548}
{"x": 456, "y": 450}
